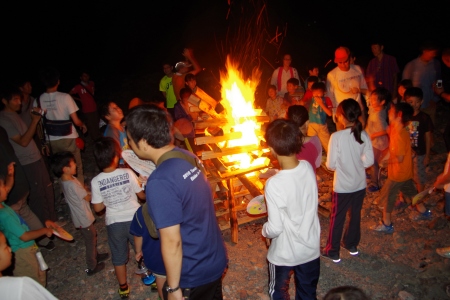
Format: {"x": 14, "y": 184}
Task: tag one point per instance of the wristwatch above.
{"x": 171, "y": 290}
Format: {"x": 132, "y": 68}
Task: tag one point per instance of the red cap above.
{"x": 341, "y": 54}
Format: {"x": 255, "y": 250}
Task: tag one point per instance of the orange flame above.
{"x": 238, "y": 98}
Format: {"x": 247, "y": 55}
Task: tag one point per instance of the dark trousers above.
{"x": 42, "y": 197}
{"x": 342, "y": 202}
{"x": 90, "y": 241}
{"x": 209, "y": 291}
{"x": 92, "y": 120}
{"x": 306, "y": 277}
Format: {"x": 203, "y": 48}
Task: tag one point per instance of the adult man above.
{"x": 180, "y": 203}
{"x": 18, "y": 196}
{"x": 282, "y": 74}
{"x": 166, "y": 87}
{"x": 382, "y": 70}
{"x": 345, "y": 81}
{"x": 424, "y": 71}
{"x": 85, "y": 94}
{"x": 182, "y": 69}
{"x": 60, "y": 107}
{"x": 444, "y": 92}
{"x": 41, "y": 200}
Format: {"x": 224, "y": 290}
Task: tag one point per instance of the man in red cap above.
{"x": 345, "y": 81}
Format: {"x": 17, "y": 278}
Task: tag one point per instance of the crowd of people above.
{"x": 360, "y": 121}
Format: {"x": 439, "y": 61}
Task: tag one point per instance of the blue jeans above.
{"x": 447, "y": 204}
{"x": 306, "y": 277}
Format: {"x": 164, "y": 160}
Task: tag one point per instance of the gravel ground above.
{"x": 403, "y": 265}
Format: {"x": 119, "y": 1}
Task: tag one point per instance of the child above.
{"x": 64, "y": 167}
{"x": 349, "y": 154}
{"x": 420, "y": 129}
{"x": 183, "y": 115}
{"x": 293, "y": 223}
{"x": 319, "y": 108}
{"x": 402, "y": 87}
{"x": 275, "y": 106}
{"x": 113, "y": 116}
{"x": 18, "y": 287}
{"x": 311, "y": 149}
{"x": 376, "y": 129}
{"x": 308, "y": 94}
{"x": 295, "y": 92}
{"x": 400, "y": 172}
{"x": 149, "y": 248}
{"x": 313, "y": 71}
{"x": 115, "y": 189}
{"x": 19, "y": 236}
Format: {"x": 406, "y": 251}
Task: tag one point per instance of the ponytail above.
{"x": 356, "y": 130}
{"x": 351, "y": 111}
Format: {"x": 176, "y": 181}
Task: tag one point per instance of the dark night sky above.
{"x": 127, "y": 42}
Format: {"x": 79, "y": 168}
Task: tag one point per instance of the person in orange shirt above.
{"x": 400, "y": 171}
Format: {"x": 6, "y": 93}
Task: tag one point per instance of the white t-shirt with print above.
{"x": 117, "y": 190}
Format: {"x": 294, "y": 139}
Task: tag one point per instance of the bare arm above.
{"x": 78, "y": 122}
{"x": 378, "y": 134}
{"x": 25, "y": 139}
{"x": 172, "y": 254}
{"x": 34, "y": 234}
{"x": 138, "y": 247}
{"x": 188, "y": 53}
{"x": 98, "y": 207}
{"x": 324, "y": 107}
{"x": 88, "y": 197}
{"x": 9, "y": 181}
{"x": 141, "y": 195}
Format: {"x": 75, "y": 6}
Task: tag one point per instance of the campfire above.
{"x": 234, "y": 158}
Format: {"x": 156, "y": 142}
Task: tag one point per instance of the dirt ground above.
{"x": 403, "y": 265}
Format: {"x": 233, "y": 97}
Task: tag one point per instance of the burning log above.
{"x": 217, "y": 139}
{"x": 229, "y": 151}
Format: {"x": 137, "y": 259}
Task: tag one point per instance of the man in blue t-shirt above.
{"x": 180, "y": 203}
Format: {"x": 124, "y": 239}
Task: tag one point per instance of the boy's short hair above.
{"x": 9, "y": 91}
{"x": 313, "y": 79}
{"x": 298, "y": 114}
{"x": 293, "y": 81}
{"x": 189, "y": 77}
{"x": 382, "y": 94}
{"x": 105, "y": 151}
{"x": 413, "y": 92}
{"x": 284, "y": 137}
{"x": 271, "y": 87}
{"x": 318, "y": 86}
{"x": 104, "y": 111}
{"x": 60, "y": 160}
{"x": 406, "y": 110}
{"x": 150, "y": 123}
{"x": 49, "y": 77}
{"x": 406, "y": 83}
{"x": 185, "y": 91}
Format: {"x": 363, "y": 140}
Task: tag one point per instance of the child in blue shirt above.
{"x": 319, "y": 108}
{"x": 19, "y": 236}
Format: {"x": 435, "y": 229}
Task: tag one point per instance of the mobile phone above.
{"x": 439, "y": 84}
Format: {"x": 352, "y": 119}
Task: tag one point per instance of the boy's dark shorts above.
{"x": 118, "y": 237}
{"x": 390, "y": 190}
